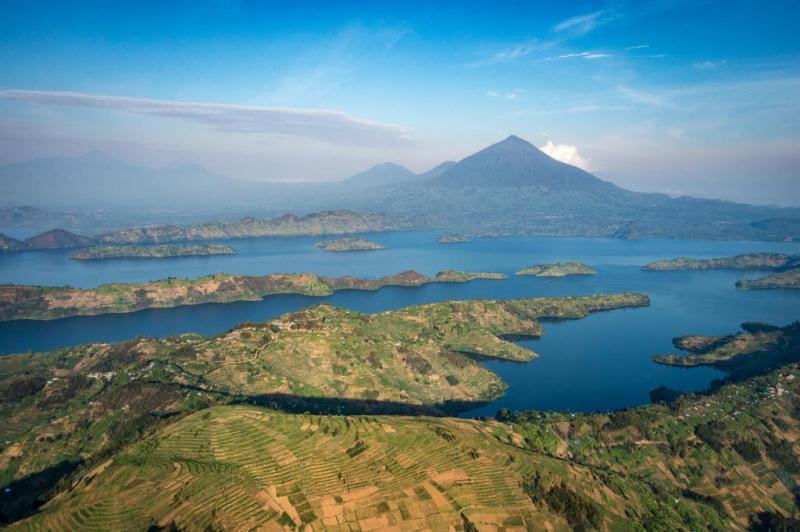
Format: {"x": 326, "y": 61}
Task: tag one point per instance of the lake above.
{"x": 598, "y": 363}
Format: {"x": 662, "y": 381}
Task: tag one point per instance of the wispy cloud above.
{"x": 513, "y": 94}
{"x": 577, "y": 55}
{"x": 583, "y": 24}
{"x": 637, "y": 47}
{"x": 321, "y": 124}
{"x": 510, "y": 53}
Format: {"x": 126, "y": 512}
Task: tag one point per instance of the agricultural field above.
{"x": 711, "y": 462}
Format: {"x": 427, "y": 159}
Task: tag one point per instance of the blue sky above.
{"x": 697, "y": 98}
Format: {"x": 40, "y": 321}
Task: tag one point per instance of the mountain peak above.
{"x": 381, "y": 174}
{"x": 515, "y": 162}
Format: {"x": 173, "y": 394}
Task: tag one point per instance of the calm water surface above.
{"x": 600, "y": 362}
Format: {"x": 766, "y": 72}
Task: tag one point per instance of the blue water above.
{"x": 600, "y": 362}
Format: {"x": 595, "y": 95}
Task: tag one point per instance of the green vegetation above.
{"x": 452, "y": 276}
{"x": 749, "y": 261}
{"x": 784, "y": 279}
{"x": 150, "y": 252}
{"x": 720, "y": 461}
{"x": 558, "y": 269}
{"x": 758, "y": 348}
{"x": 452, "y": 239}
{"x": 348, "y": 244}
{"x": 43, "y": 303}
{"x": 80, "y": 405}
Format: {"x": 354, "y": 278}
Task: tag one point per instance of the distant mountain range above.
{"x": 323, "y": 223}
{"x": 99, "y": 180}
{"x": 510, "y": 187}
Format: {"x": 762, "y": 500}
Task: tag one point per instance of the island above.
{"x": 749, "y": 261}
{"x": 557, "y": 269}
{"x": 452, "y": 239}
{"x": 150, "y": 252}
{"x": 45, "y": 303}
{"x": 783, "y": 279}
{"x": 242, "y": 417}
{"x": 348, "y": 244}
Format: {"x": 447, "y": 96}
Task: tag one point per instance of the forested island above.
{"x": 557, "y": 269}
{"x": 348, "y": 244}
{"x": 43, "y": 302}
{"x": 150, "y": 252}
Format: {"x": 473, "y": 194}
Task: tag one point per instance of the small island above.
{"x": 348, "y": 244}
{"x": 453, "y": 276}
{"x": 785, "y": 279}
{"x": 150, "y": 252}
{"x": 452, "y": 239}
{"x": 558, "y": 269}
{"x": 748, "y": 261}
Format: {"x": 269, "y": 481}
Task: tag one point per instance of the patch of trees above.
{"x": 580, "y": 512}
{"x": 18, "y": 388}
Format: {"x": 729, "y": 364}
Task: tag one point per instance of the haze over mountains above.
{"x": 510, "y": 187}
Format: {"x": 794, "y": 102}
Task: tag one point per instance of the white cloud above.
{"x": 583, "y": 24}
{"x": 577, "y": 55}
{"x": 514, "y": 51}
{"x": 321, "y": 124}
{"x": 638, "y": 47}
{"x": 566, "y": 153}
{"x": 514, "y": 94}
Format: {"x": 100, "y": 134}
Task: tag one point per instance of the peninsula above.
{"x": 348, "y": 244}
{"x": 44, "y": 303}
{"x": 150, "y": 252}
{"x": 749, "y": 261}
{"x": 557, "y": 269}
{"x": 747, "y": 353}
{"x": 783, "y": 279}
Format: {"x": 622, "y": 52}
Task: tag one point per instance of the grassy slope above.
{"x": 707, "y": 462}
{"x": 75, "y": 403}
